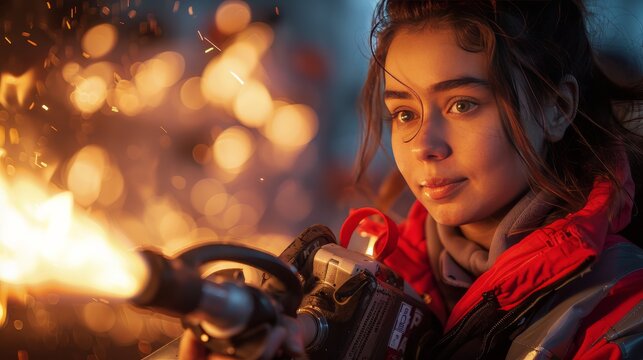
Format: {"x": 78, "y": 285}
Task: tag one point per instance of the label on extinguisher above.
{"x": 388, "y": 323}
{"x": 408, "y": 318}
{"x": 401, "y": 323}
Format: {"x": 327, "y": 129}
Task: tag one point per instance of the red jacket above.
{"x": 537, "y": 273}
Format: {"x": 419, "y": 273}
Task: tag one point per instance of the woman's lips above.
{"x": 438, "y": 189}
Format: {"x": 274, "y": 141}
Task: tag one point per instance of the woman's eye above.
{"x": 462, "y": 106}
{"x": 403, "y": 116}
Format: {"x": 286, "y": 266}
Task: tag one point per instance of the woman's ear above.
{"x": 563, "y": 110}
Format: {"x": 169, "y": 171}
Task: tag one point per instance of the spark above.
{"x": 31, "y": 42}
{"x": 114, "y": 109}
{"x": 162, "y": 128}
{"x": 7, "y": 39}
{"x": 26, "y": 34}
{"x": 45, "y": 107}
{"x": 48, "y": 5}
{"x": 31, "y": 106}
{"x": 53, "y": 128}
{"x": 277, "y": 10}
{"x": 37, "y": 161}
{"x": 200, "y": 36}
{"x": 176, "y": 7}
{"x": 236, "y": 77}
{"x": 209, "y": 49}
{"x": 211, "y": 43}
{"x": 190, "y": 11}
{"x": 86, "y": 55}
{"x": 261, "y": 179}
{"x": 68, "y": 24}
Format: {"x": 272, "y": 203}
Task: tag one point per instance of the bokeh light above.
{"x": 99, "y": 317}
{"x": 232, "y": 16}
{"x": 126, "y": 98}
{"x": 253, "y": 104}
{"x": 224, "y": 76}
{"x": 103, "y": 69}
{"x": 85, "y": 174}
{"x": 171, "y": 67}
{"x": 232, "y": 148}
{"x": 70, "y": 70}
{"x": 190, "y": 94}
{"x": 292, "y": 126}
{"x": 112, "y": 187}
{"x": 89, "y": 95}
{"x": 153, "y": 76}
{"x": 99, "y": 40}
{"x": 258, "y": 35}
{"x": 208, "y": 196}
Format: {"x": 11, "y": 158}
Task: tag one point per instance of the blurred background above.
{"x": 175, "y": 122}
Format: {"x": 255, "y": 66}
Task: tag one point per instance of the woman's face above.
{"x": 459, "y": 165}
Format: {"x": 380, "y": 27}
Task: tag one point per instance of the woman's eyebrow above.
{"x": 392, "y": 94}
{"x": 458, "y": 82}
{"x": 439, "y": 87}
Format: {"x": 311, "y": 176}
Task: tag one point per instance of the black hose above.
{"x": 286, "y": 274}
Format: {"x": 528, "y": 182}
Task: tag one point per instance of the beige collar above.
{"x": 458, "y": 262}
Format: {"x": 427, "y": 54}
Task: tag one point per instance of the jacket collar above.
{"x": 552, "y": 253}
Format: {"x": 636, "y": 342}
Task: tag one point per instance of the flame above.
{"x": 3, "y": 304}
{"x": 372, "y": 239}
{"x": 44, "y": 244}
{"x": 16, "y": 86}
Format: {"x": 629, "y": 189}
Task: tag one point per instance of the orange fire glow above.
{"x": 3, "y": 303}
{"x": 44, "y": 243}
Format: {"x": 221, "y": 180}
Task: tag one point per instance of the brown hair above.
{"x": 539, "y": 41}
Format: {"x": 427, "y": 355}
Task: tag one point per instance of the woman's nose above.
{"x": 431, "y": 143}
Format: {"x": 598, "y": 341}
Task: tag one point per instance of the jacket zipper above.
{"x": 488, "y": 297}
{"x": 530, "y": 304}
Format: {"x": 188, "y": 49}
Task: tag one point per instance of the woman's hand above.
{"x": 285, "y": 338}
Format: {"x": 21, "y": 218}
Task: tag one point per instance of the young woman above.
{"x": 512, "y": 139}
{"x": 515, "y": 143}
